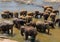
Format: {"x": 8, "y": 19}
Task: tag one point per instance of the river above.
{"x": 17, "y": 6}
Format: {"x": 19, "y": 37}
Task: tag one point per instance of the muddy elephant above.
{"x": 15, "y": 14}
{"x": 6, "y": 27}
{"x": 24, "y": 13}
{"x": 28, "y": 30}
{"x": 42, "y": 27}
{"x": 57, "y": 21}
{"x": 18, "y": 22}
{"x": 56, "y": 12}
{"x": 53, "y": 16}
{"x": 45, "y": 15}
{"x": 45, "y": 7}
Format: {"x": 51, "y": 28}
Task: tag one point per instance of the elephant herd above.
{"x": 23, "y": 21}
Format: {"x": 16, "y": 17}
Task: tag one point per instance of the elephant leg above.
{"x": 22, "y": 31}
{"x": 33, "y": 38}
{"x": 12, "y": 31}
{"x": 26, "y": 36}
{"x": 48, "y": 30}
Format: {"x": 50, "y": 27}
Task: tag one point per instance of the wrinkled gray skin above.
{"x": 29, "y": 31}
{"x": 5, "y": 27}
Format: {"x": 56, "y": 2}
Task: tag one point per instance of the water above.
{"x": 17, "y": 6}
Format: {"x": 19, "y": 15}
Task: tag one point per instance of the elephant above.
{"x": 53, "y": 16}
{"x": 50, "y": 23}
{"x": 28, "y": 19}
{"x": 15, "y": 14}
{"x": 24, "y": 13}
{"x": 42, "y": 26}
{"x": 36, "y": 14}
{"x": 28, "y": 30}
{"x": 7, "y": 14}
{"x": 4, "y": 15}
{"x": 6, "y": 26}
{"x": 45, "y": 15}
{"x": 18, "y": 22}
{"x": 57, "y": 21}
{"x": 56, "y": 12}
{"x": 45, "y": 7}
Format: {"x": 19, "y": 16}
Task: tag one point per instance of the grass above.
{"x": 41, "y": 37}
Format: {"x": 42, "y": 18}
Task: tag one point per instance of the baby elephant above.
{"x": 29, "y": 31}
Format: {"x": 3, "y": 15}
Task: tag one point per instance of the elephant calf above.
{"x": 28, "y": 30}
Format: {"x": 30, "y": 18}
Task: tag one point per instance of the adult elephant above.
{"x": 53, "y": 16}
{"x": 57, "y": 21}
{"x": 6, "y": 27}
{"x": 4, "y": 15}
{"x": 28, "y": 30}
{"x": 42, "y": 26}
{"x": 24, "y": 13}
{"x": 50, "y": 23}
{"x": 18, "y": 22}
{"x": 45, "y": 15}
{"x": 7, "y": 14}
